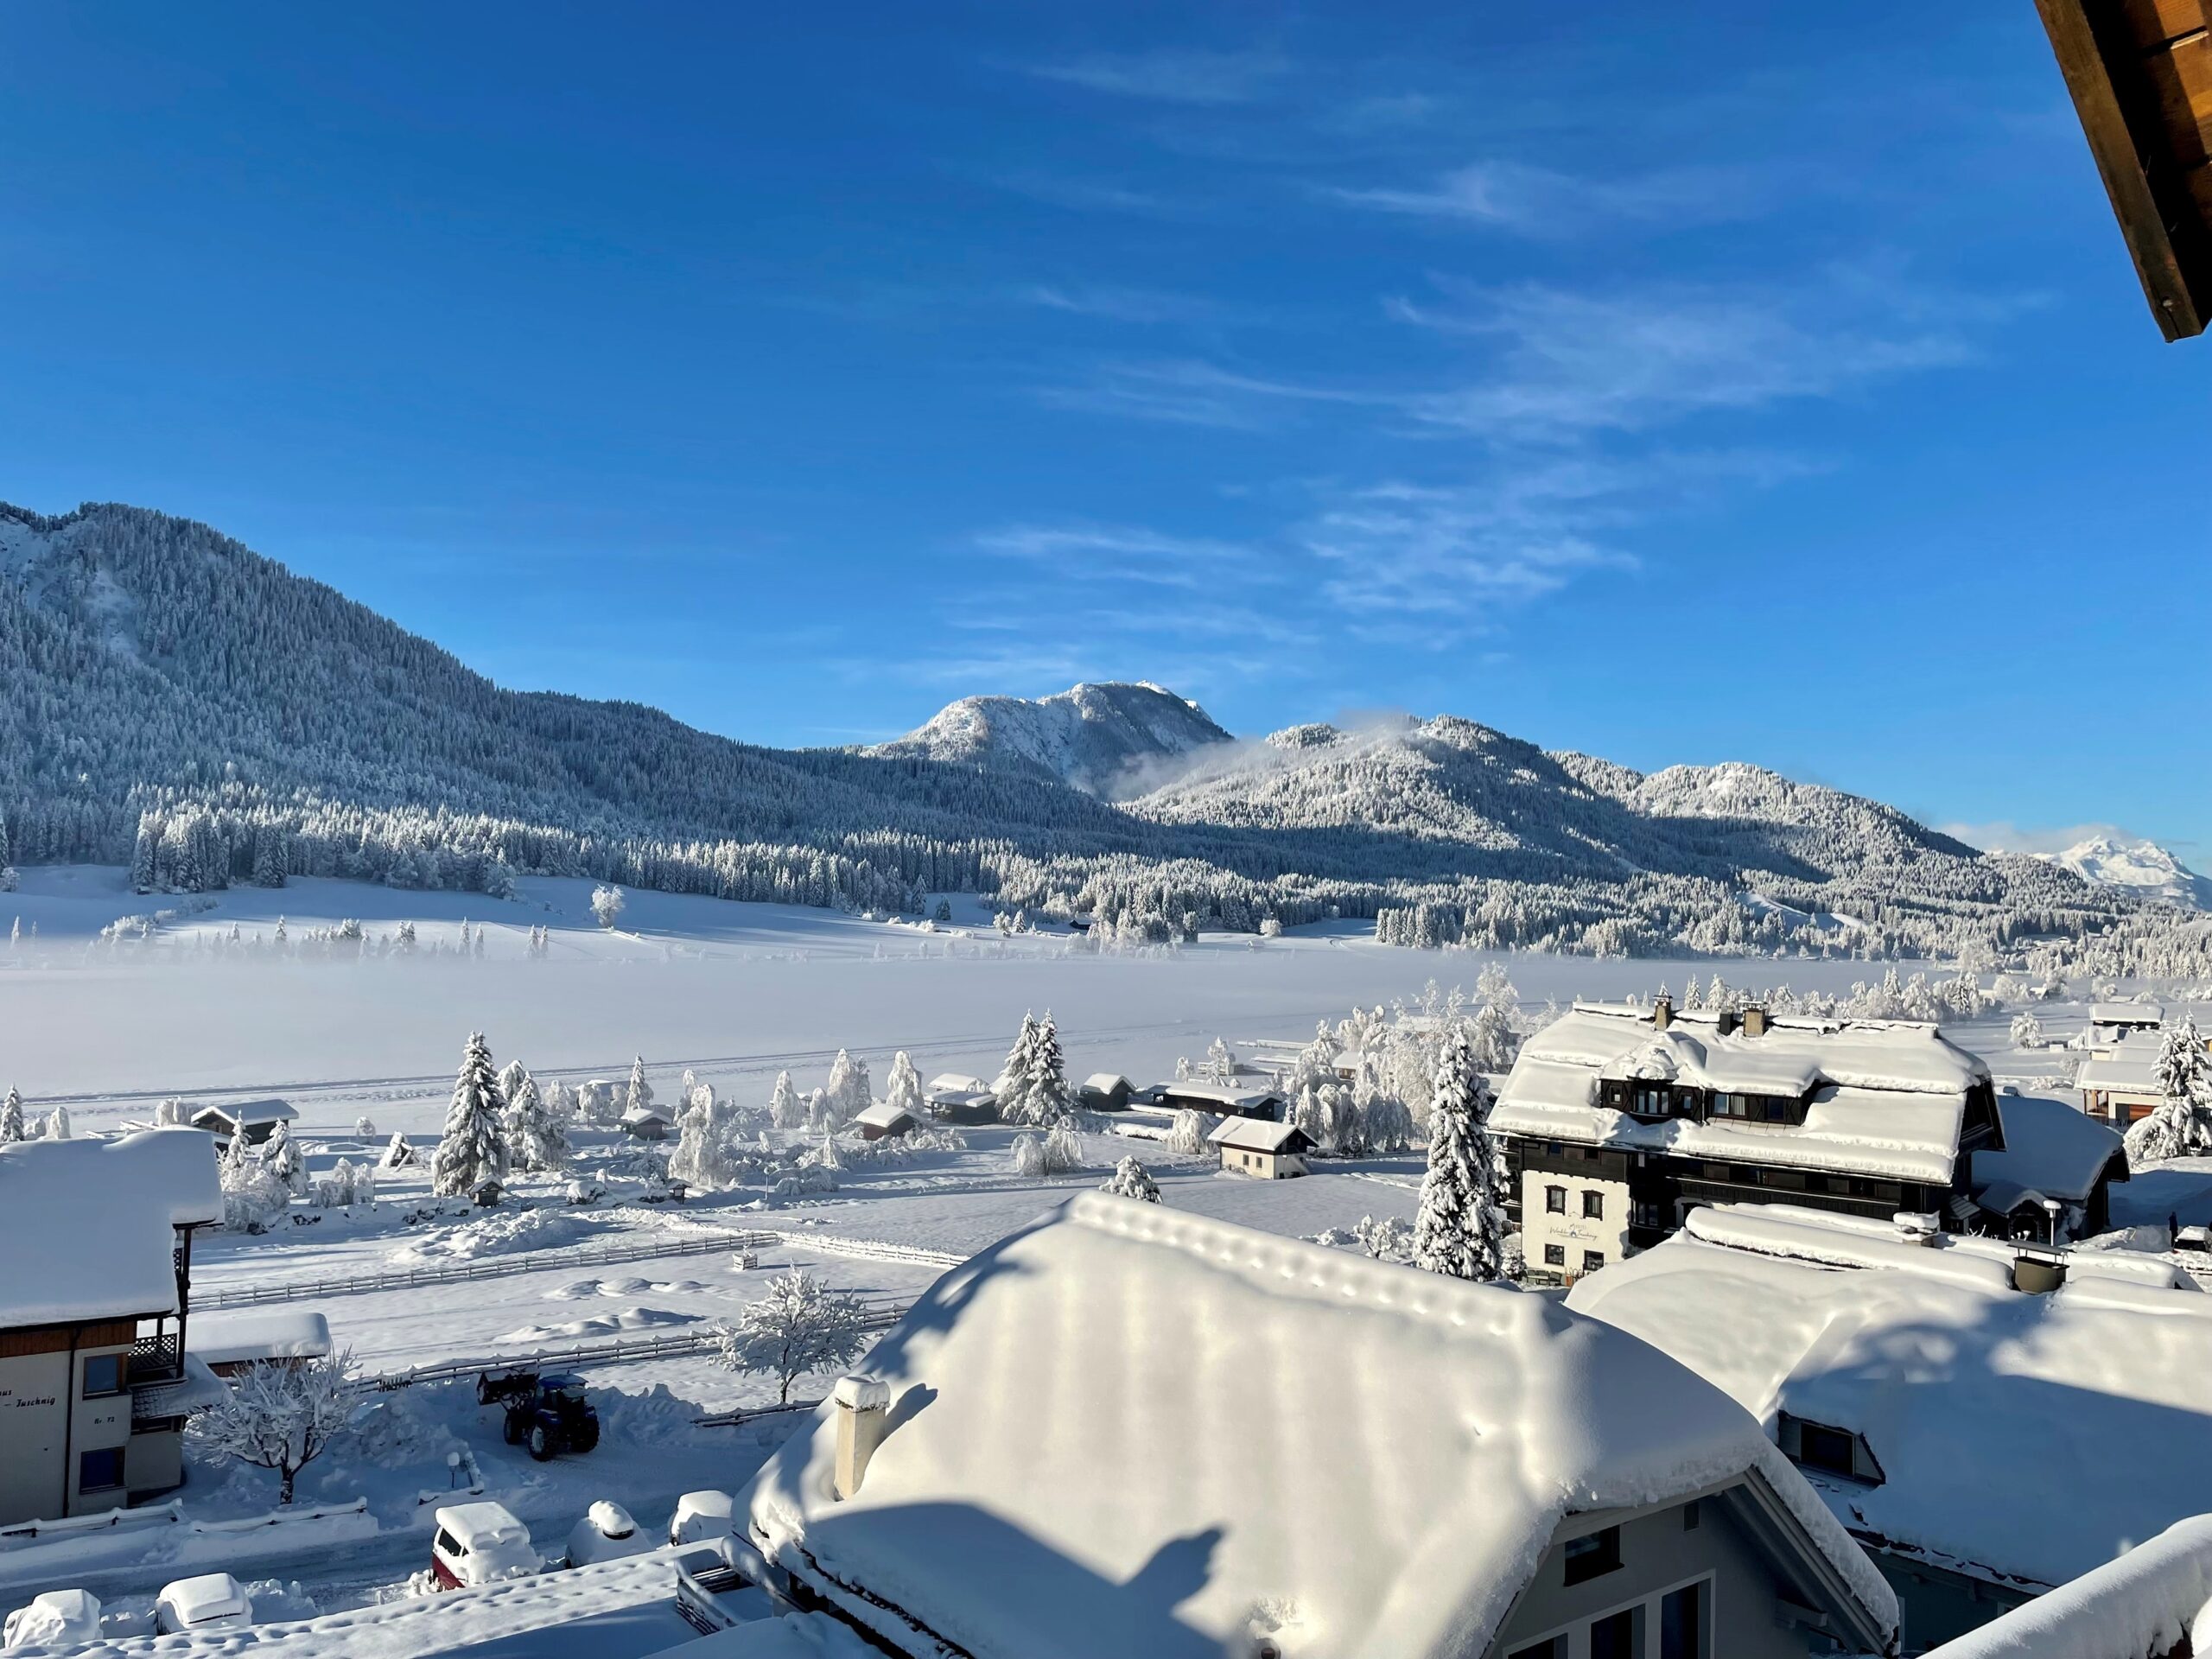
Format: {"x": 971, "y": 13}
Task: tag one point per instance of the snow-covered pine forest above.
{"x": 190, "y": 708}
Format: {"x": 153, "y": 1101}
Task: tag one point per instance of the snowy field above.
{"x": 205, "y": 1004}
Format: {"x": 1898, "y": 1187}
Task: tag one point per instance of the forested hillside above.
{"x": 178, "y": 701}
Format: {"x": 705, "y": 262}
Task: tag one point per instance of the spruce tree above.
{"x": 902, "y": 1090}
{"x": 472, "y": 1151}
{"x": 785, "y": 1110}
{"x": 1460, "y": 1228}
{"x": 2181, "y": 1125}
{"x": 537, "y": 1141}
{"x": 12, "y": 1116}
{"x": 1012, "y": 1085}
{"x": 280, "y": 1157}
{"x": 1050, "y": 1098}
{"x": 640, "y": 1093}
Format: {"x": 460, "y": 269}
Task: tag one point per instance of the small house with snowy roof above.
{"x": 2117, "y": 1085}
{"x": 646, "y": 1123}
{"x": 1055, "y": 1451}
{"x": 95, "y": 1382}
{"x": 1221, "y": 1099}
{"x": 258, "y": 1118}
{"x": 1617, "y": 1121}
{"x": 956, "y": 1097}
{"x": 1264, "y": 1151}
{"x": 1105, "y": 1091}
{"x": 1990, "y": 1420}
{"x": 2115, "y": 1022}
{"x": 884, "y": 1122}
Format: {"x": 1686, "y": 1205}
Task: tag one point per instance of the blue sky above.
{"x": 1669, "y": 383}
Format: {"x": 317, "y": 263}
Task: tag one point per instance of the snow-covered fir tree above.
{"x": 280, "y": 1157}
{"x": 1045, "y": 1097}
{"x": 538, "y": 1138}
{"x": 473, "y": 1149}
{"x": 1460, "y": 1229}
{"x": 12, "y": 1116}
{"x": 57, "y": 1124}
{"x": 786, "y": 1111}
{"x": 847, "y": 1095}
{"x": 1220, "y": 1065}
{"x": 2180, "y": 1125}
{"x": 639, "y": 1094}
{"x": 902, "y": 1090}
{"x": 1131, "y": 1180}
{"x": 1012, "y": 1086}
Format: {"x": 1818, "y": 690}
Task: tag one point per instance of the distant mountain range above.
{"x": 180, "y": 701}
{"x": 2137, "y": 866}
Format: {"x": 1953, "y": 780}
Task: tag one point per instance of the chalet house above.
{"x": 1559, "y": 1487}
{"x": 646, "y": 1123}
{"x": 884, "y": 1122}
{"x": 954, "y": 1097}
{"x": 259, "y": 1118}
{"x": 1223, "y": 1100}
{"x": 2051, "y": 1180}
{"x": 2115, "y": 1022}
{"x": 95, "y": 1382}
{"x": 228, "y": 1344}
{"x": 1105, "y": 1091}
{"x": 2145, "y": 1605}
{"x": 2117, "y": 1086}
{"x": 1265, "y": 1151}
{"x": 1990, "y": 1420}
{"x": 1618, "y": 1120}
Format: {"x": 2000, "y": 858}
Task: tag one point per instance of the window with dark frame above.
{"x": 1617, "y": 1635}
{"x": 1592, "y": 1556}
{"x": 100, "y": 1471}
{"x": 1554, "y": 1256}
{"x": 1592, "y": 1260}
{"x": 1554, "y": 1200}
{"x": 1829, "y": 1449}
{"x": 1593, "y": 1206}
{"x": 103, "y": 1374}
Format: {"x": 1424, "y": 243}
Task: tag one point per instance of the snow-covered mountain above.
{"x": 178, "y": 700}
{"x": 1105, "y": 740}
{"x": 2139, "y": 867}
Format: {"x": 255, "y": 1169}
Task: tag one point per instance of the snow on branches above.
{"x": 280, "y": 1415}
{"x": 473, "y": 1147}
{"x": 2181, "y": 1125}
{"x": 798, "y": 1327}
{"x": 1460, "y": 1228}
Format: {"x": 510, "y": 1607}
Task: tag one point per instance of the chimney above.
{"x": 1725, "y": 1022}
{"x": 1755, "y": 1021}
{"x": 1663, "y": 1013}
{"x": 863, "y": 1406}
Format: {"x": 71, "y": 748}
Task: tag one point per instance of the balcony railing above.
{"x": 157, "y": 1359}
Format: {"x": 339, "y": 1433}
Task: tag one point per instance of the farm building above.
{"x": 1265, "y": 1151}
{"x": 884, "y": 1122}
{"x": 259, "y": 1117}
{"x": 1223, "y": 1100}
{"x": 646, "y": 1123}
{"x": 1106, "y": 1092}
{"x": 954, "y": 1097}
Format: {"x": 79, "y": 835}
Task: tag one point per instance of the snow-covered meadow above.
{"x": 219, "y": 998}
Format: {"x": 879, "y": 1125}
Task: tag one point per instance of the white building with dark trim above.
{"x": 1617, "y": 1121}
{"x": 95, "y": 1382}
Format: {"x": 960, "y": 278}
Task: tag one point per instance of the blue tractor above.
{"x": 547, "y": 1413}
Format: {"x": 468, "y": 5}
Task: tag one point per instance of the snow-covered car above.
{"x": 57, "y": 1618}
{"x": 701, "y": 1518}
{"x": 605, "y": 1533}
{"x": 479, "y": 1543}
{"x": 213, "y": 1601}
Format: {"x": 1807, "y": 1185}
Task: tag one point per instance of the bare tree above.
{"x": 282, "y": 1414}
{"x": 801, "y": 1327}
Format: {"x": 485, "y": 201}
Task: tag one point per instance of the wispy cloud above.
{"x": 1194, "y": 393}
{"x": 1171, "y": 77}
{"x": 1542, "y": 202}
{"x": 1139, "y": 305}
{"x": 1110, "y": 553}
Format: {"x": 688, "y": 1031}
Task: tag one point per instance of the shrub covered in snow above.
{"x": 280, "y": 1415}
{"x": 1131, "y": 1180}
{"x": 799, "y": 1327}
{"x": 1187, "y": 1135}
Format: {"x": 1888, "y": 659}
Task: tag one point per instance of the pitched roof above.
{"x": 2126, "y": 1073}
{"x": 2136, "y": 1608}
{"x": 1105, "y": 1494}
{"x": 882, "y": 1115}
{"x": 1226, "y": 1096}
{"x": 1258, "y": 1134}
{"x": 99, "y": 1218}
{"x": 1994, "y": 1413}
{"x": 955, "y": 1082}
{"x": 264, "y": 1333}
{"x": 1888, "y": 1097}
{"x": 235, "y": 1112}
{"x": 2050, "y": 1147}
{"x": 2125, "y": 1014}
{"x": 1106, "y": 1082}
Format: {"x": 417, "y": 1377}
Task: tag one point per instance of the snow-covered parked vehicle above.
{"x": 213, "y": 1601}
{"x": 56, "y": 1618}
{"x": 479, "y": 1543}
{"x": 548, "y": 1413}
{"x": 701, "y": 1518}
{"x": 605, "y": 1533}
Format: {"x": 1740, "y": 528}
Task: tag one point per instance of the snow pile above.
{"x": 2142, "y": 1605}
{"x": 583, "y": 1290}
{"x": 498, "y": 1232}
{"x": 602, "y": 1325}
{"x": 1117, "y": 1485}
{"x": 271, "y": 1333}
{"x": 1977, "y": 1402}
{"x": 117, "y": 1204}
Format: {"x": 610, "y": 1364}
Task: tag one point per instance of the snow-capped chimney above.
{"x": 863, "y": 1407}
{"x": 1725, "y": 1022}
{"x": 1663, "y": 1013}
{"x": 1755, "y": 1021}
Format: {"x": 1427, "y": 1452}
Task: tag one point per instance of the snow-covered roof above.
{"x": 1106, "y": 1082}
{"x": 99, "y": 1219}
{"x": 269, "y": 1333}
{"x": 482, "y": 1526}
{"x": 1227, "y": 1095}
{"x": 2137, "y": 1607}
{"x": 1107, "y": 1496}
{"x": 195, "y": 1391}
{"x": 882, "y": 1115}
{"x": 235, "y": 1112}
{"x": 646, "y": 1115}
{"x": 1994, "y": 1413}
{"x": 2122, "y": 1074}
{"x": 2050, "y": 1147}
{"x": 2125, "y": 1014}
{"x": 1258, "y": 1134}
{"x": 955, "y": 1082}
{"x": 1888, "y": 1097}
